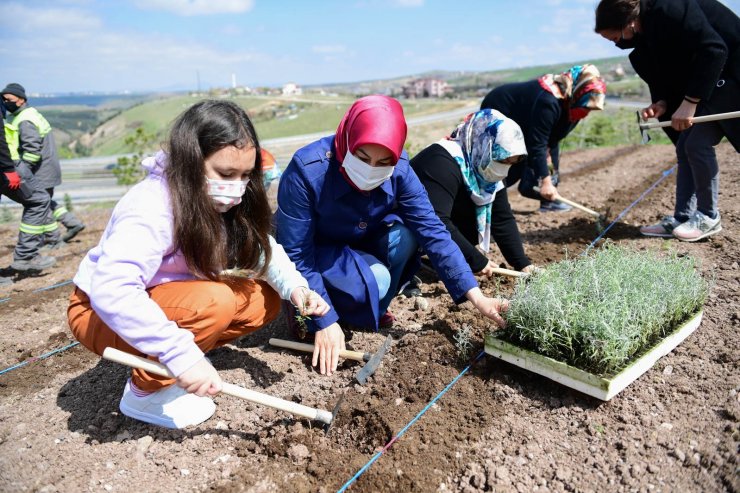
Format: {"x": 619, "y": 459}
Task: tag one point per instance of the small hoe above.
{"x": 321, "y": 415}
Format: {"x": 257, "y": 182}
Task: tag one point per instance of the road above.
{"x": 101, "y": 186}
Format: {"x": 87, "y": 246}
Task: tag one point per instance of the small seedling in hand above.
{"x": 301, "y": 319}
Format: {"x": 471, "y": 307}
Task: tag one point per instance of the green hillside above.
{"x": 273, "y": 117}
{"x": 103, "y": 132}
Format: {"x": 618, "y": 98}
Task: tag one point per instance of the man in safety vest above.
{"x": 21, "y": 186}
{"x": 30, "y": 134}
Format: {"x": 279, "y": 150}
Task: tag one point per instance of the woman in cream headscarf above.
{"x": 547, "y": 109}
{"x": 463, "y": 175}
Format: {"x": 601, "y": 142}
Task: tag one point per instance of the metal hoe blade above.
{"x": 372, "y": 365}
{"x": 643, "y": 130}
{"x": 334, "y": 412}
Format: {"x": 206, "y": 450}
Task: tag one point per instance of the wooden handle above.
{"x": 572, "y": 204}
{"x": 578, "y": 206}
{"x": 697, "y": 119}
{"x": 308, "y": 348}
{"x": 508, "y": 272}
{"x": 134, "y": 361}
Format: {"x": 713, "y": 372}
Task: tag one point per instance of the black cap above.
{"x": 15, "y": 89}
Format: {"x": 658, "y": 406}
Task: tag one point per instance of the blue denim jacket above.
{"x": 322, "y": 221}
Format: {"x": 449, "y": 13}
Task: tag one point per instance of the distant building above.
{"x": 292, "y": 89}
{"x": 426, "y": 88}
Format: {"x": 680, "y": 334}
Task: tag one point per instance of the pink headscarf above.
{"x": 372, "y": 120}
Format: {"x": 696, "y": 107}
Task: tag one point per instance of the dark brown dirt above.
{"x": 499, "y": 428}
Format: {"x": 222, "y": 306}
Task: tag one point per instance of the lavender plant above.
{"x": 597, "y": 311}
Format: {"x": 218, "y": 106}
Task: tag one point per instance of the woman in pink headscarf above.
{"x": 353, "y": 217}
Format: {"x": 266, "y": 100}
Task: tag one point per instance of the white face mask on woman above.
{"x": 364, "y": 176}
{"x": 495, "y": 171}
{"x": 226, "y": 193}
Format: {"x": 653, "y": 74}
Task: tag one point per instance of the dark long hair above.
{"x": 615, "y": 14}
{"x": 211, "y": 241}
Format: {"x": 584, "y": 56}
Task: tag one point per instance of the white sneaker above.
{"x": 697, "y": 227}
{"x": 171, "y": 407}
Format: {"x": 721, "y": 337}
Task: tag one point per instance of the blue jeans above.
{"x": 697, "y": 177}
{"x": 401, "y": 246}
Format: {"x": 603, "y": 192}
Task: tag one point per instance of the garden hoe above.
{"x": 600, "y": 218}
{"x": 644, "y": 126}
{"x": 496, "y": 270}
{"x": 373, "y": 359}
{"x": 134, "y": 361}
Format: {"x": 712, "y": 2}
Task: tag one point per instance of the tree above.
{"x": 128, "y": 171}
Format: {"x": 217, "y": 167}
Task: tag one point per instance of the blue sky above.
{"x": 147, "y": 45}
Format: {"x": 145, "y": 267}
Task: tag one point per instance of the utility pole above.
{"x": 197, "y": 77}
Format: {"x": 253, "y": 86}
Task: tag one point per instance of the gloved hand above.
{"x": 14, "y": 181}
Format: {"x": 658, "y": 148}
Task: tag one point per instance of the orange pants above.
{"x": 216, "y": 313}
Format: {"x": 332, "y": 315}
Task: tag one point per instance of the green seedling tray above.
{"x": 599, "y": 386}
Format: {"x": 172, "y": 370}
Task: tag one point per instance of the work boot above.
{"x": 39, "y": 262}
{"x": 54, "y": 245}
{"x": 72, "y": 232}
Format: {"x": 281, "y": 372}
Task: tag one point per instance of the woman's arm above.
{"x": 295, "y": 232}
{"x": 131, "y": 253}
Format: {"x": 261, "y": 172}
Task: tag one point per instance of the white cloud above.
{"x": 197, "y": 7}
{"x": 46, "y": 19}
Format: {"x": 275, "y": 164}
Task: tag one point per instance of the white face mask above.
{"x": 364, "y": 176}
{"x": 495, "y": 171}
{"x": 226, "y": 193}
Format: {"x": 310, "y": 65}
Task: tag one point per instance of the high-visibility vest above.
{"x": 12, "y": 135}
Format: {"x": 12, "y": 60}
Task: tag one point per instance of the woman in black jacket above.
{"x": 547, "y": 109}
{"x": 463, "y": 175}
{"x": 687, "y": 51}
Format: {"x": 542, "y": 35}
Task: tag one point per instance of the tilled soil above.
{"x": 499, "y": 428}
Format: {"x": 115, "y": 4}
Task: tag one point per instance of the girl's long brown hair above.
{"x": 211, "y": 241}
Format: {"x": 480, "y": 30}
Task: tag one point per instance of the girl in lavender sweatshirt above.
{"x": 155, "y": 284}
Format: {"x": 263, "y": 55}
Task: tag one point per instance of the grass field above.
{"x": 273, "y": 117}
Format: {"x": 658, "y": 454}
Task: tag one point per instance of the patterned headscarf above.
{"x": 372, "y": 120}
{"x": 483, "y": 138}
{"x": 581, "y": 87}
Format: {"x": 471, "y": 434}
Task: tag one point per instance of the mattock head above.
{"x": 643, "y": 129}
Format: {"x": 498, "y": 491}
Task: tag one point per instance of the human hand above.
{"x": 490, "y": 307}
{"x": 655, "y": 110}
{"x": 328, "y": 343}
{"x": 488, "y": 270}
{"x": 531, "y": 269}
{"x": 681, "y": 119}
{"x": 14, "y": 181}
{"x": 548, "y": 190}
{"x": 308, "y": 302}
{"x": 201, "y": 379}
